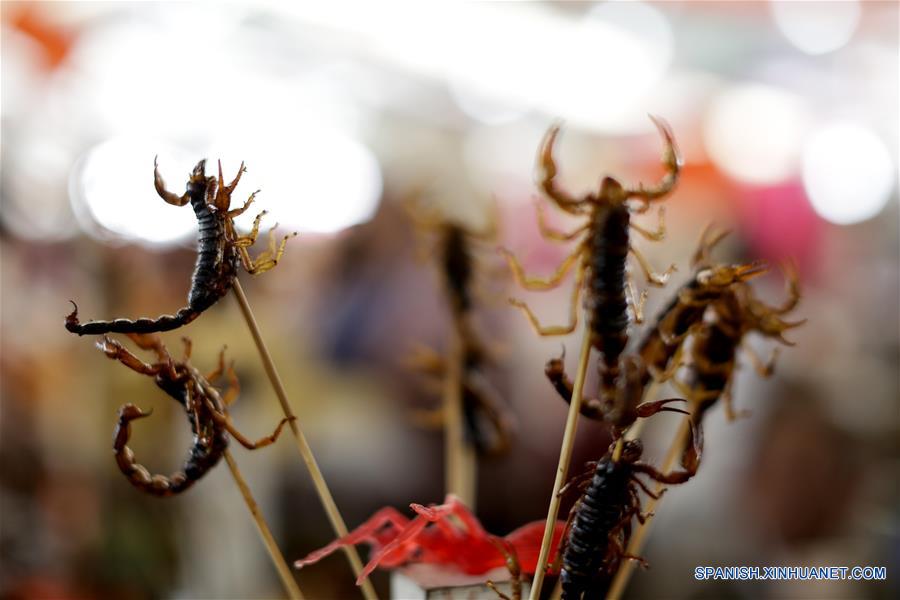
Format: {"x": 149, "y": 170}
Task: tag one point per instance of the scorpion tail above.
{"x": 144, "y": 325}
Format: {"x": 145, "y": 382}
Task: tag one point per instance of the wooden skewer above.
{"x": 565, "y": 457}
{"x": 459, "y": 457}
{"x": 626, "y": 568}
{"x": 331, "y": 509}
{"x": 284, "y": 572}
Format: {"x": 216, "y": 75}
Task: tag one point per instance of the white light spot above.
{"x": 848, "y": 173}
{"x": 113, "y": 187}
{"x": 754, "y": 133}
{"x": 816, "y": 27}
{"x": 313, "y": 178}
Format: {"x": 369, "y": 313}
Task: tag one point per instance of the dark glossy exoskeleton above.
{"x": 600, "y": 256}
{"x": 488, "y": 424}
{"x": 220, "y": 249}
{"x": 206, "y": 410}
{"x": 713, "y": 354}
{"x": 601, "y": 520}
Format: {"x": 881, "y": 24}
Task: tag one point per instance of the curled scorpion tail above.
{"x": 137, "y": 474}
{"x": 144, "y": 325}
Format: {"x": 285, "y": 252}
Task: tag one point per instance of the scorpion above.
{"x": 206, "y": 409}
{"x": 488, "y": 424}
{"x": 600, "y": 528}
{"x": 220, "y": 250}
{"x": 714, "y": 350}
{"x": 659, "y": 350}
{"x": 603, "y": 252}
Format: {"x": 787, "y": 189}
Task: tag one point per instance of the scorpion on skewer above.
{"x": 600, "y": 530}
{"x": 602, "y": 252}
{"x": 220, "y": 250}
{"x": 487, "y": 421}
{"x": 658, "y": 354}
{"x": 205, "y": 407}
{"x": 713, "y": 355}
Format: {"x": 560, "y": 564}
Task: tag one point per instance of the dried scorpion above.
{"x": 205, "y": 407}
{"x": 487, "y": 421}
{"x": 601, "y": 519}
{"x": 602, "y": 252}
{"x": 713, "y": 354}
{"x": 220, "y": 250}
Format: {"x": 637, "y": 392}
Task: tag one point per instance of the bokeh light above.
{"x": 847, "y": 172}
{"x": 113, "y": 196}
{"x": 816, "y": 27}
{"x": 755, "y": 133}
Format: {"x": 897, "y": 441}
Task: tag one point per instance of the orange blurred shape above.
{"x": 31, "y": 20}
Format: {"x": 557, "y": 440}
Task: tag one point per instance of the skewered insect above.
{"x": 661, "y": 345}
{"x": 487, "y": 421}
{"x": 602, "y": 252}
{"x": 601, "y": 521}
{"x": 205, "y": 407}
{"x": 659, "y": 350}
{"x": 713, "y": 355}
{"x": 220, "y": 250}
{"x": 445, "y": 534}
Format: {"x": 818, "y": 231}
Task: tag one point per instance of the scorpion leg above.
{"x": 220, "y": 366}
{"x": 491, "y": 406}
{"x": 706, "y": 244}
{"x": 117, "y": 351}
{"x": 245, "y": 241}
{"x": 165, "y": 194}
{"x": 672, "y": 162}
{"x": 653, "y": 236}
{"x": 792, "y": 286}
{"x": 547, "y": 176}
{"x": 555, "y": 330}
{"x": 656, "y": 279}
{"x": 537, "y": 283}
{"x": 224, "y": 420}
{"x": 268, "y": 259}
{"x": 690, "y": 460}
{"x": 426, "y": 360}
{"x": 239, "y": 211}
{"x": 728, "y": 403}
{"x": 636, "y": 301}
{"x": 512, "y": 565}
{"x": 234, "y": 385}
{"x": 762, "y": 368}
{"x": 552, "y": 234}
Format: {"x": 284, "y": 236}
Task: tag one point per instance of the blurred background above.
{"x": 786, "y": 114}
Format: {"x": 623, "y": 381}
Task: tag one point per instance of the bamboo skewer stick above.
{"x": 626, "y": 568}
{"x": 460, "y": 461}
{"x": 284, "y": 572}
{"x": 565, "y": 457}
{"x": 331, "y": 509}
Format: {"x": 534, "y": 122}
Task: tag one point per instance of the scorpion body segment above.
{"x": 205, "y": 408}
{"x": 605, "y": 300}
{"x": 220, "y": 250}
